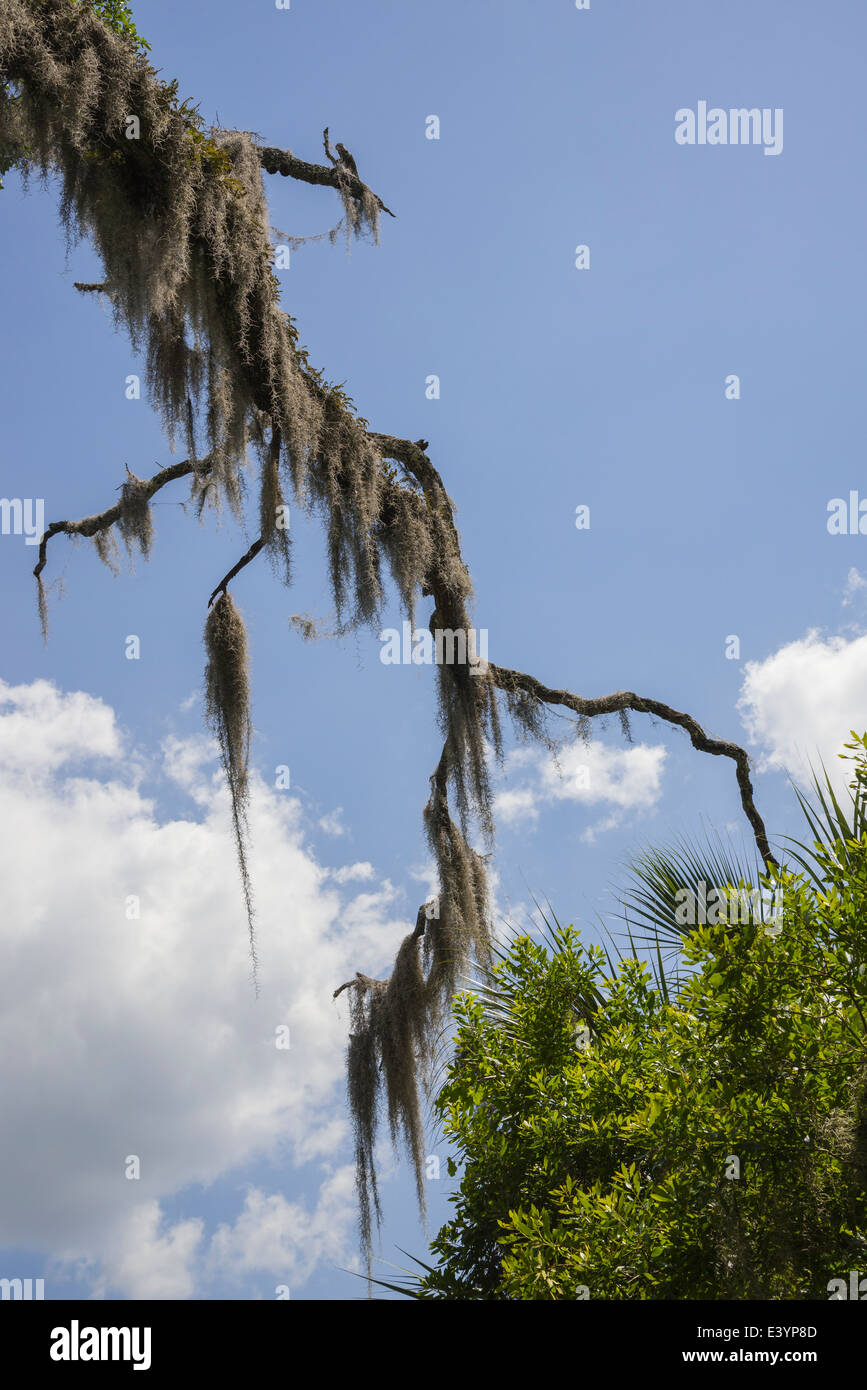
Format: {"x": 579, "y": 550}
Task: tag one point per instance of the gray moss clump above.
{"x": 389, "y": 1048}
{"x": 227, "y": 707}
{"x": 136, "y": 523}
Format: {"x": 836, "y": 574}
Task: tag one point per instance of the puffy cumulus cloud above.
{"x": 271, "y": 1238}
{"x": 799, "y": 703}
{"x": 350, "y": 873}
{"x": 511, "y": 807}
{"x": 629, "y": 778}
{"x": 42, "y": 729}
{"x": 284, "y": 1239}
{"x": 592, "y": 774}
{"x": 127, "y": 1014}
{"x": 147, "y": 1258}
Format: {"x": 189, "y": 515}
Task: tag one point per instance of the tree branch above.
{"x": 255, "y": 351}
{"x": 412, "y": 456}
{"x": 365, "y": 981}
{"x": 507, "y": 680}
{"x": 360, "y": 981}
{"x": 90, "y": 525}
{"x": 339, "y": 176}
{"x": 236, "y": 569}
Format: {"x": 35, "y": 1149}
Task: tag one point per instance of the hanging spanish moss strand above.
{"x": 389, "y": 1049}
{"x": 274, "y": 511}
{"x": 42, "y": 607}
{"x": 227, "y": 706}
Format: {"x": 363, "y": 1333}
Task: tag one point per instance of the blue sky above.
{"x": 559, "y": 387}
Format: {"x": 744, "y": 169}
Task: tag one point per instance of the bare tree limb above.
{"x": 507, "y": 680}
{"x": 339, "y": 176}
{"x": 360, "y": 981}
{"x": 236, "y": 569}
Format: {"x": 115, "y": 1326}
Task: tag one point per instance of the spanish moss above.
{"x": 227, "y": 706}
{"x": 136, "y": 524}
{"x": 389, "y": 1048}
{"x": 178, "y": 217}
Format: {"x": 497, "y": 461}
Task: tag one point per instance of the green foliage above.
{"x": 710, "y": 1141}
{"x": 118, "y": 17}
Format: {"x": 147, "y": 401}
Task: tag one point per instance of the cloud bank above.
{"x": 128, "y": 1020}
{"x": 800, "y": 703}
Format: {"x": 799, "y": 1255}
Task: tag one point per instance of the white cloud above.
{"x": 351, "y": 873}
{"x": 511, "y": 807}
{"x": 332, "y": 824}
{"x": 800, "y": 703}
{"x": 630, "y": 778}
{"x": 627, "y": 779}
{"x": 149, "y": 1260}
{"x": 144, "y": 1036}
{"x": 284, "y": 1239}
{"x": 190, "y": 763}
{"x": 42, "y": 729}
{"x": 855, "y": 584}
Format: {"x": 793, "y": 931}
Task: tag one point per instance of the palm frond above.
{"x": 410, "y": 1285}
{"x": 661, "y": 876}
{"x": 833, "y": 828}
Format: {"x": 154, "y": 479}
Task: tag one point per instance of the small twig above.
{"x": 236, "y": 569}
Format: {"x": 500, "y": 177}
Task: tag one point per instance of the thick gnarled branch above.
{"x": 342, "y": 174}
{"x": 245, "y": 369}
{"x": 622, "y": 700}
